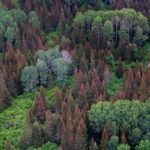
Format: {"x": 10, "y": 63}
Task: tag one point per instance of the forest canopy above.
{"x": 74, "y": 75}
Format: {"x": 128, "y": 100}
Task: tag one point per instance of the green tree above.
{"x": 123, "y": 147}
{"x": 135, "y": 136}
{"x": 140, "y": 38}
{"x": 2, "y": 28}
{"x": 43, "y": 71}
{"x": 10, "y": 34}
{"x": 60, "y": 69}
{"x": 19, "y": 15}
{"x": 49, "y": 146}
{"x": 29, "y": 78}
{"x": 33, "y": 20}
{"x": 142, "y": 22}
{"x": 53, "y": 53}
{"x": 40, "y": 54}
{"x": 119, "y": 114}
{"x": 108, "y": 30}
{"x": 124, "y": 33}
{"x": 6, "y": 19}
{"x": 80, "y": 19}
{"x": 97, "y": 121}
{"x": 113, "y": 142}
{"x": 143, "y": 145}
{"x": 144, "y": 119}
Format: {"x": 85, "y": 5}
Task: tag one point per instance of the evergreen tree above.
{"x": 8, "y": 145}
{"x": 40, "y": 107}
{"x": 119, "y": 69}
{"x": 113, "y": 143}
{"x": 26, "y": 137}
{"x": 80, "y": 142}
{"x": 93, "y": 145}
{"x": 4, "y": 94}
{"x": 37, "y": 139}
{"x": 105, "y": 137}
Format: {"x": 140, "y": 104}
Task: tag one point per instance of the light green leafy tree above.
{"x": 123, "y": 147}
{"x": 29, "y": 78}
{"x": 140, "y": 37}
{"x": 43, "y": 71}
{"x": 143, "y": 145}
{"x": 40, "y": 54}
{"x": 108, "y": 30}
{"x": 33, "y": 20}
{"x": 120, "y": 115}
{"x": 10, "y": 34}
{"x": 60, "y": 69}
{"x": 18, "y": 15}
{"x": 97, "y": 121}
{"x": 124, "y": 33}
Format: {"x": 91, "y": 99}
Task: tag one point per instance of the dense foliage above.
{"x": 75, "y": 74}
{"x": 121, "y": 117}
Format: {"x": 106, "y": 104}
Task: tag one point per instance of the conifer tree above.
{"x": 60, "y": 148}
{"x": 93, "y": 145}
{"x": 58, "y": 101}
{"x": 4, "y": 94}
{"x": 40, "y": 107}
{"x": 123, "y": 138}
{"x": 37, "y": 139}
{"x": 70, "y": 133}
{"x": 80, "y": 142}
{"x": 105, "y": 138}
{"x": 26, "y": 137}
{"x": 81, "y": 97}
{"x": 119, "y": 69}
{"x": 64, "y": 139}
{"x": 84, "y": 64}
{"x": 8, "y": 145}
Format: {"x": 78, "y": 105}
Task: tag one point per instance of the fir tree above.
{"x": 105, "y": 138}
{"x": 4, "y": 94}
{"x": 8, "y": 145}
{"x": 80, "y": 142}
{"x": 37, "y": 139}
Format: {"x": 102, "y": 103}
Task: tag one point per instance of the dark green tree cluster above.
{"x": 49, "y": 65}
{"x": 15, "y": 22}
{"x": 125, "y": 121}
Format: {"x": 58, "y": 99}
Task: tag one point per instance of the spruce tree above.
{"x": 8, "y": 145}
{"x": 37, "y": 139}
{"x": 105, "y": 137}
{"x": 4, "y": 94}
{"x": 80, "y": 141}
